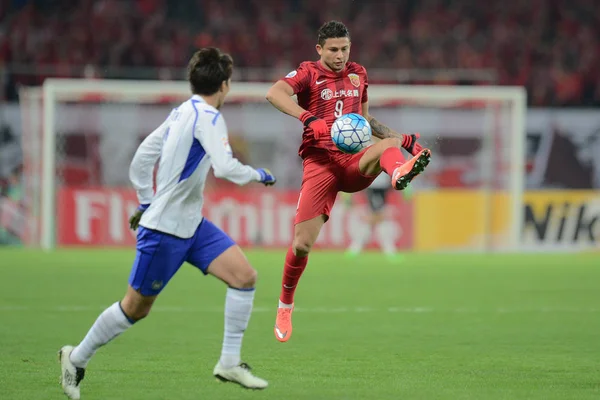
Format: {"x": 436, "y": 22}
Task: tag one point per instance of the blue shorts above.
{"x": 159, "y": 255}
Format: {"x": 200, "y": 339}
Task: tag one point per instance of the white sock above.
{"x": 360, "y": 238}
{"x": 386, "y": 238}
{"x": 110, "y": 324}
{"x": 283, "y": 305}
{"x": 238, "y": 308}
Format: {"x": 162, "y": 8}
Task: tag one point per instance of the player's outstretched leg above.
{"x": 305, "y": 235}
{"x": 113, "y": 321}
{"x": 386, "y": 155}
{"x": 233, "y": 268}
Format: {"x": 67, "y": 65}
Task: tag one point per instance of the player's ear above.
{"x": 224, "y": 85}
{"x": 319, "y": 48}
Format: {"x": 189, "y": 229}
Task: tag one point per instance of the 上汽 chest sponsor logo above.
{"x": 328, "y": 94}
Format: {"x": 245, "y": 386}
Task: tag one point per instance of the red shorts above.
{"x": 325, "y": 174}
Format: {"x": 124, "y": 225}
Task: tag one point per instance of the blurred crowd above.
{"x": 550, "y": 46}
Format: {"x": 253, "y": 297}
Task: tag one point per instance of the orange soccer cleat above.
{"x": 283, "y": 324}
{"x": 405, "y": 173}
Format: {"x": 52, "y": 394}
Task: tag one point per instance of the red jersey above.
{"x": 327, "y": 95}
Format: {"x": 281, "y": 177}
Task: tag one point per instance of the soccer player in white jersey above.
{"x": 171, "y": 228}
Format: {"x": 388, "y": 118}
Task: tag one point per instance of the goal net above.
{"x": 79, "y": 137}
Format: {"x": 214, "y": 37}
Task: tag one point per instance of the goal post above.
{"x": 493, "y": 116}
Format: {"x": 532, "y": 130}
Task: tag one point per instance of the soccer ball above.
{"x": 351, "y": 133}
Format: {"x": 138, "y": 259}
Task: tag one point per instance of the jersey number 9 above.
{"x": 339, "y": 108}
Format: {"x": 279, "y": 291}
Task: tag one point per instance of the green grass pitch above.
{"x": 434, "y": 327}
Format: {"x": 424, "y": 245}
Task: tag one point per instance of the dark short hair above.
{"x": 207, "y": 70}
{"x": 332, "y": 29}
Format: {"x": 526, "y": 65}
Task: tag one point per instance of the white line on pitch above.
{"x": 324, "y": 310}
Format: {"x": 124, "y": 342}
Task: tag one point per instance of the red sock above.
{"x": 391, "y": 158}
{"x": 292, "y": 271}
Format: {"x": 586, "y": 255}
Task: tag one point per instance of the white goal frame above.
{"x": 57, "y": 90}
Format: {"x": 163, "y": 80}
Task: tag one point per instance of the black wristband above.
{"x": 309, "y": 120}
{"x": 413, "y": 140}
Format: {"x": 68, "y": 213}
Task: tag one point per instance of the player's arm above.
{"x": 141, "y": 169}
{"x": 141, "y": 172}
{"x": 382, "y": 131}
{"x": 215, "y": 141}
{"x": 280, "y": 95}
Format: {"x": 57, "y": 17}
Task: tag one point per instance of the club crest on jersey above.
{"x": 354, "y": 80}
{"x": 291, "y": 74}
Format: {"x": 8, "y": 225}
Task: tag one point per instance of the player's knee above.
{"x": 248, "y": 279}
{"x": 136, "y": 312}
{"x": 301, "y": 246}
{"x": 136, "y": 306}
{"x": 141, "y": 312}
{"x": 244, "y": 279}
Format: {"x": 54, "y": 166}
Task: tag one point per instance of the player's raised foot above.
{"x": 240, "y": 374}
{"x": 71, "y": 375}
{"x": 283, "y": 323}
{"x": 405, "y": 173}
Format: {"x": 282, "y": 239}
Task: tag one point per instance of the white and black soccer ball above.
{"x": 351, "y": 133}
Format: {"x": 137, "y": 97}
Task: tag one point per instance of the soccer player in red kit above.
{"x": 327, "y": 89}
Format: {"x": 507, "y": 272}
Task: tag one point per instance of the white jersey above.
{"x": 192, "y": 139}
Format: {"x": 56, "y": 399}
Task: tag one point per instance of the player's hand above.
{"x": 317, "y": 125}
{"x": 266, "y": 177}
{"x": 409, "y": 142}
{"x": 134, "y": 220}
